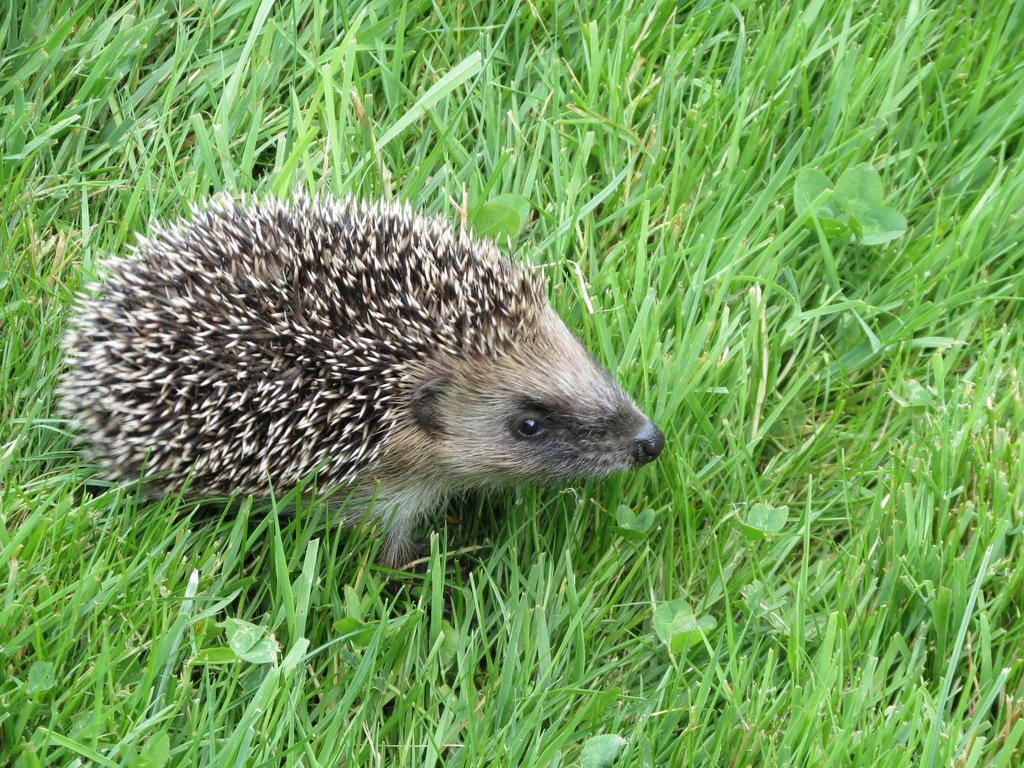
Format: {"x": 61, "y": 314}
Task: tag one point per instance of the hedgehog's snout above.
{"x": 648, "y": 443}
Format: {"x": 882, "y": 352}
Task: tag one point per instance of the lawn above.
{"x": 826, "y": 566}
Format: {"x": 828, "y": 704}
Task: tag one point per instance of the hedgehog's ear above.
{"x": 425, "y": 404}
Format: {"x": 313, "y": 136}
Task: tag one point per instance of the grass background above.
{"x": 873, "y": 392}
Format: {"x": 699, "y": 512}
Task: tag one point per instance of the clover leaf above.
{"x": 678, "y": 626}
{"x": 502, "y": 216}
{"x": 853, "y": 206}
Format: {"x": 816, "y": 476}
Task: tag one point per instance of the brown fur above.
{"x": 472, "y": 446}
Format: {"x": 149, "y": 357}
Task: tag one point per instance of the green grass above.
{"x": 874, "y": 392}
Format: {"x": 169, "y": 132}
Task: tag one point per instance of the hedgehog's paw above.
{"x": 401, "y": 509}
{"x": 401, "y": 550}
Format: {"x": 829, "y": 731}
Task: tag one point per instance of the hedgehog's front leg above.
{"x": 401, "y": 509}
{"x": 400, "y": 548}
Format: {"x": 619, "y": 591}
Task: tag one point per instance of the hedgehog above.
{"x": 258, "y": 342}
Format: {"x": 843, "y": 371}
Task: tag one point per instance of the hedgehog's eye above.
{"x": 531, "y": 426}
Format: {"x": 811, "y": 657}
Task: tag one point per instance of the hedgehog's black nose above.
{"x": 648, "y": 443}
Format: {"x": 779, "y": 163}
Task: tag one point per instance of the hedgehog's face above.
{"x": 547, "y": 412}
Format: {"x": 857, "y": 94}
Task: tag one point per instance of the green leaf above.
{"x": 601, "y": 751}
{"x": 763, "y": 520}
{"x": 813, "y": 193}
{"x": 449, "y": 650}
{"x": 854, "y": 205}
{"x": 40, "y": 677}
{"x": 859, "y": 192}
{"x": 636, "y": 522}
{"x": 854, "y": 224}
{"x": 859, "y": 187}
{"x": 357, "y": 632}
{"x": 250, "y": 642}
{"x": 677, "y": 625}
{"x": 913, "y": 395}
{"x": 157, "y": 751}
{"x": 880, "y": 225}
{"x": 811, "y": 184}
{"x": 502, "y": 216}
{"x": 215, "y": 655}
{"x": 353, "y": 605}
